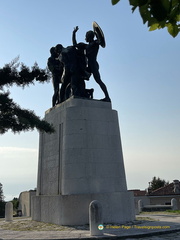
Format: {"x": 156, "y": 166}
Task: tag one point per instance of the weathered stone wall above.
{"x": 81, "y": 162}
{"x": 25, "y": 202}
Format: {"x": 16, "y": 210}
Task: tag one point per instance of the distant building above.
{"x": 160, "y": 196}
{"x": 140, "y": 195}
{"x": 25, "y": 202}
{"x": 164, "y": 195}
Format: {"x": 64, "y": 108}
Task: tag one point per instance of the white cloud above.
{"x": 16, "y": 160}
{"x": 6, "y": 150}
{"x": 18, "y": 169}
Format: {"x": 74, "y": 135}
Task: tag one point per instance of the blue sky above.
{"x": 140, "y": 69}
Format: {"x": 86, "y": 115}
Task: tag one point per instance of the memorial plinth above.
{"x": 81, "y": 162}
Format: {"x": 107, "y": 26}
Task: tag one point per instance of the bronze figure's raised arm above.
{"x": 74, "y": 64}
{"x": 91, "y": 51}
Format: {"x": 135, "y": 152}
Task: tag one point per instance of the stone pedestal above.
{"x": 81, "y": 162}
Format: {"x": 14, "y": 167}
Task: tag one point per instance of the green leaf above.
{"x": 133, "y": 9}
{"x": 162, "y": 24}
{"x": 158, "y": 10}
{"x": 152, "y": 21}
{"x": 178, "y": 18}
{"x": 166, "y": 5}
{"x": 114, "y": 2}
{"x": 175, "y": 3}
{"x": 173, "y": 29}
{"x": 134, "y": 3}
{"x": 154, "y": 27}
{"x": 142, "y": 2}
{"x": 145, "y": 14}
{"x": 173, "y": 14}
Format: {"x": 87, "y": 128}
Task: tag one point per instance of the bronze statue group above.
{"x": 72, "y": 65}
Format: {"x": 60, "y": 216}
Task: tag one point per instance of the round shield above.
{"x": 99, "y": 33}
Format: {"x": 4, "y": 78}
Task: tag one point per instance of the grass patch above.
{"x": 145, "y": 219}
{"x": 173, "y": 211}
{"x": 167, "y": 212}
{"x": 29, "y": 225}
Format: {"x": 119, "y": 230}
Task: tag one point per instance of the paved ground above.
{"x": 162, "y": 227}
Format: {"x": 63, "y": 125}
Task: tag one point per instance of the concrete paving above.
{"x": 162, "y": 227}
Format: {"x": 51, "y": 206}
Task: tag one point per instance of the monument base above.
{"x": 117, "y": 207}
{"x": 81, "y": 162}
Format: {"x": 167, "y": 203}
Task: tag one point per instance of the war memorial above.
{"x": 82, "y": 160}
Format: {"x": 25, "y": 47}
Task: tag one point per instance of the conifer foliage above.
{"x": 12, "y": 116}
{"x": 2, "y": 202}
{"x": 157, "y": 183}
{"x": 1, "y": 193}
